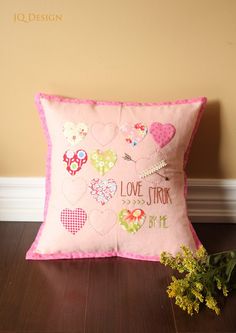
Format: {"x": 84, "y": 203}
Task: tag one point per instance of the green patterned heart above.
{"x": 103, "y": 161}
{"x": 131, "y": 221}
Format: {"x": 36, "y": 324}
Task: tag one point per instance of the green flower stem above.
{"x": 206, "y": 277}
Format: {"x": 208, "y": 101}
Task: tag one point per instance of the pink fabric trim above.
{"x": 75, "y": 255}
{"x": 186, "y": 155}
{"x": 90, "y": 101}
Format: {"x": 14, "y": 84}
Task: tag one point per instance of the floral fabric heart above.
{"x": 74, "y": 160}
{"x": 74, "y": 133}
{"x": 103, "y": 161}
{"x": 131, "y": 221}
{"x": 162, "y": 133}
{"x": 73, "y": 220}
{"x": 134, "y": 133}
{"x": 102, "y": 190}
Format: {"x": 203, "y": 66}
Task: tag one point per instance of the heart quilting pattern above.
{"x": 131, "y": 221}
{"x": 104, "y": 133}
{"x": 102, "y": 221}
{"x": 74, "y": 189}
{"x": 74, "y": 133}
{"x": 102, "y": 190}
{"x": 74, "y": 160}
{"x": 73, "y": 220}
{"x": 103, "y": 161}
{"x": 134, "y": 133}
{"x": 162, "y": 133}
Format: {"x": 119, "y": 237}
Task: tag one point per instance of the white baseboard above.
{"x": 209, "y": 200}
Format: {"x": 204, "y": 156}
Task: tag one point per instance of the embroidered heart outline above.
{"x": 74, "y": 189}
{"x": 134, "y": 133}
{"x": 73, "y": 220}
{"x": 103, "y": 161}
{"x": 74, "y": 160}
{"x": 102, "y": 190}
{"x": 75, "y": 132}
{"x": 131, "y": 221}
{"x": 104, "y": 133}
{"x": 102, "y": 221}
{"x": 162, "y": 133}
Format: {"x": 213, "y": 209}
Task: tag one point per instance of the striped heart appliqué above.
{"x": 73, "y": 220}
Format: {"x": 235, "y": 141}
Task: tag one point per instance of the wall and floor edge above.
{"x": 209, "y": 200}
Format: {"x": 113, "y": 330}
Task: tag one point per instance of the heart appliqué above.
{"x": 74, "y": 160}
{"x": 73, "y": 220}
{"x": 74, "y": 189}
{"x": 102, "y": 221}
{"x": 131, "y": 221}
{"x": 104, "y": 133}
{"x": 103, "y": 161}
{"x": 134, "y": 133}
{"x": 102, "y": 190}
{"x": 74, "y": 133}
{"x": 162, "y": 133}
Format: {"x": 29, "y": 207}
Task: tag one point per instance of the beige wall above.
{"x": 144, "y": 50}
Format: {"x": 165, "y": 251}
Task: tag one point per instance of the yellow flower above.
{"x": 225, "y": 291}
{"x": 197, "y": 295}
{"x": 211, "y": 303}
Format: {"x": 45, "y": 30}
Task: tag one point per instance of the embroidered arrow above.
{"x": 156, "y": 167}
{"x": 147, "y": 172}
{"x": 134, "y": 202}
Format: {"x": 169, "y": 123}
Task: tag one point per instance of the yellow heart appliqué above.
{"x": 103, "y": 161}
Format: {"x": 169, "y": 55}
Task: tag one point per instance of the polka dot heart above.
{"x": 74, "y": 160}
{"x": 162, "y": 133}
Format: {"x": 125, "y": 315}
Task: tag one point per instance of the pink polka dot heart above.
{"x": 162, "y": 133}
{"x": 73, "y": 220}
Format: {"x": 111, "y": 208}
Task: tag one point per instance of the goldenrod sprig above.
{"x": 206, "y": 276}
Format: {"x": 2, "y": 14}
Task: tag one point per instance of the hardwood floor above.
{"x": 98, "y": 295}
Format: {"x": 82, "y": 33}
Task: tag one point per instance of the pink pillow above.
{"x": 116, "y": 183}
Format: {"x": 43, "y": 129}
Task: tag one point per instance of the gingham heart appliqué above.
{"x": 73, "y": 220}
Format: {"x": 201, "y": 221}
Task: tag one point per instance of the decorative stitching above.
{"x": 156, "y": 167}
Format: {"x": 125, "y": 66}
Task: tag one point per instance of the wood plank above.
{"x": 41, "y": 296}
{"x": 128, "y": 296}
